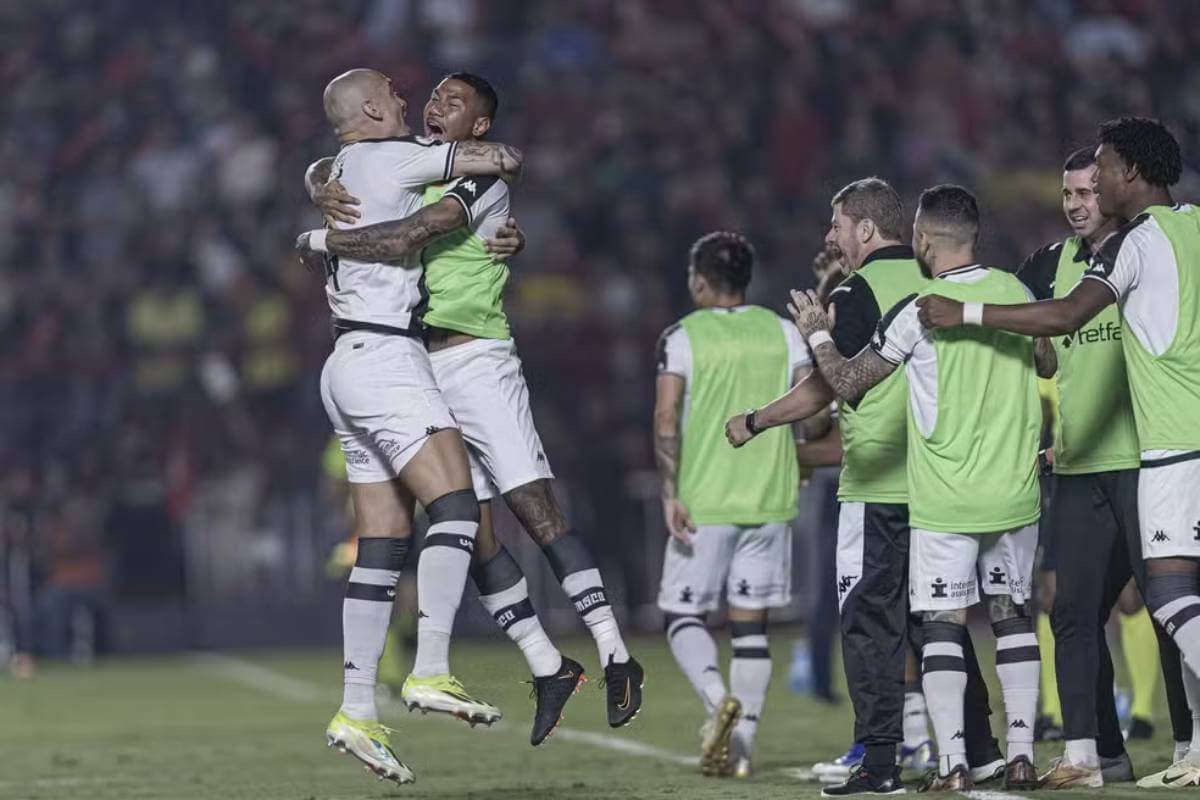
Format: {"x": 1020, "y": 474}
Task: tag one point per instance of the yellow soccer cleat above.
{"x": 714, "y": 737}
{"x": 446, "y": 695}
{"x": 368, "y": 741}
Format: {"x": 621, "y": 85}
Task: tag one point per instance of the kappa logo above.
{"x": 845, "y": 582}
{"x": 431, "y": 430}
{"x": 997, "y": 577}
{"x": 1019, "y": 723}
{"x": 349, "y": 665}
{"x": 1197, "y": 530}
{"x": 939, "y": 589}
{"x": 470, "y": 186}
{"x": 743, "y": 588}
{"x": 1161, "y": 536}
{"x": 957, "y": 735}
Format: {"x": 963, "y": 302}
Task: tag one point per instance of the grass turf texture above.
{"x": 189, "y": 727}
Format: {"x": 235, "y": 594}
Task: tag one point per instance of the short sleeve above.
{"x": 899, "y": 332}
{"x": 1122, "y": 258}
{"x": 480, "y": 195}
{"x": 856, "y": 315}
{"x": 798, "y": 355}
{"x": 675, "y": 353}
{"x": 1038, "y": 272}
{"x": 418, "y": 161}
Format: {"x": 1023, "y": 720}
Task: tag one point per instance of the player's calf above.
{"x": 944, "y": 679}
{"x": 1018, "y": 665}
{"x": 366, "y": 614}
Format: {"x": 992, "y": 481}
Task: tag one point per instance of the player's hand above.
{"x": 310, "y": 259}
{"x": 736, "y": 431}
{"x": 508, "y": 241}
{"x": 335, "y": 203}
{"x": 807, "y": 313}
{"x": 936, "y": 311}
{"x": 679, "y": 521}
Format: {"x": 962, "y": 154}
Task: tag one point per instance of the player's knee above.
{"x": 1166, "y": 590}
{"x": 534, "y": 506}
{"x": 739, "y": 628}
{"x": 497, "y": 573}
{"x": 456, "y": 506}
{"x": 674, "y": 623}
{"x": 1012, "y": 626}
{"x": 1001, "y": 607}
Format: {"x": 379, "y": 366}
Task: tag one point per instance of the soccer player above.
{"x": 728, "y": 512}
{"x": 479, "y": 373}
{"x": 1094, "y": 505}
{"x": 974, "y": 502}
{"x": 873, "y": 530}
{"x": 400, "y": 441}
{"x": 1148, "y": 268}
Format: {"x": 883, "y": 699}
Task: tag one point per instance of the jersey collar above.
{"x": 891, "y": 252}
{"x": 961, "y": 270}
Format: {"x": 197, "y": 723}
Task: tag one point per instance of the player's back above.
{"x": 975, "y": 417}
{"x": 388, "y": 177}
{"x": 740, "y": 359}
{"x": 466, "y": 285}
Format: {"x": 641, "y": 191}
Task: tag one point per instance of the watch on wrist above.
{"x": 750, "y": 426}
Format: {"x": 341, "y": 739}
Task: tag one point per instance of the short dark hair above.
{"x": 951, "y": 208}
{"x": 491, "y": 102}
{"x": 1146, "y": 144}
{"x": 1082, "y": 158}
{"x": 874, "y": 199}
{"x": 725, "y": 259}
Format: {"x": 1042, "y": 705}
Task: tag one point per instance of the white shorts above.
{"x": 381, "y": 397}
{"x": 1169, "y": 509}
{"x": 945, "y": 570}
{"x": 486, "y": 392}
{"x": 753, "y": 564}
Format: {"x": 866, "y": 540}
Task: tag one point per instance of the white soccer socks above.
{"x": 366, "y": 614}
{"x": 1019, "y": 667}
{"x": 576, "y": 571}
{"x": 441, "y": 575}
{"x": 505, "y": 594}
{"x": 944, "y": 678}
{"x": 695, "y": 651}
{"x": 749, "y": 678}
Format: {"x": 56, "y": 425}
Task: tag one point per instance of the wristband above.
{"x": 750, "y": 426}
{"x": 972, "y": 313}
{"x": 819, "y": 338}
{"x": 316, "y": 240}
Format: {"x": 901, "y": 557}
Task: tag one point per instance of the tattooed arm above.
{"x": 667, "y": 444}
{"x": 395, "y": 239}
{"x": 850, "y": 378}
{"x": 1045, "y": 357}
{"x": 317, "y": 175}
{"x": 488, "y": 158}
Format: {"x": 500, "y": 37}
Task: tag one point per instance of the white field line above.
{"x": 273, "y": 682}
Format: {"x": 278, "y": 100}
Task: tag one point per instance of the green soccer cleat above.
{"x": 446, "y": 695}
{"x": 368, "y": 741}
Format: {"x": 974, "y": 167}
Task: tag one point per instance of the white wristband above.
{"x": 972, "y": 313}
{"x": 819, "y": 338}
{"x": 316, "y": 240}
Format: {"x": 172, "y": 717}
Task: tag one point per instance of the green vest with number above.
{"x": 976, "y": 470}
{"x": 874, "y": 430}
{"x": 1166, "y": 388}
{"x": 739, "y": 361}
{"x": 1094, "y": 430}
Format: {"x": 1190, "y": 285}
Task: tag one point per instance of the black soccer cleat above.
{"x": 862, "y": 782}
{"x": 552, "y": 693}
{"x": 623, "y": 683}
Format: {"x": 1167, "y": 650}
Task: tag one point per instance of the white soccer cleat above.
{"x": 446, "y": 695}
{"x": 839, "y": 769}
{"x": 369, "y": 742}
{"x": 1183, "y": 774}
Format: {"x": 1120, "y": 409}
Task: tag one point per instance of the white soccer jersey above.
{"x": 388, "y": 176}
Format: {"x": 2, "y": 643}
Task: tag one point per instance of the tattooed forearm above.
{"x": 396, "y": 239}
{"x": 1045, "y": 357}
{"x": 535, "y": 507}
{"x": 1002, "y": 607}
{"x": 488, "y": 158}
{"x": 666, "y": 455}
{"x": 317, "y": 174}
{"x": 851, "y": 378}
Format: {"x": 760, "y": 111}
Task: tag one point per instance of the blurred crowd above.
{"x": 160, "y": 339}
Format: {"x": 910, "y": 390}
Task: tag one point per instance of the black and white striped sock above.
{"x": 441, "y": 577}
{"x": 1019, "y": 667}
{"x": 944, "y": 679}
{"x": 576, "y": 571}
{"x": 366, "y": 614}
{"x": 749, "y": 679}
{"x": 505, "y": 594}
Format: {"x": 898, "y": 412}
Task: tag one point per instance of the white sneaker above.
{"x": 989, "y": 772}
{"x": 1183, "y": 774}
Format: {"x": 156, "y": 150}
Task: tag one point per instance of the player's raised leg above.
{"x": 504, "y": 592}
{"x": 537, "y": 510}
{"x": 440, "y": 479}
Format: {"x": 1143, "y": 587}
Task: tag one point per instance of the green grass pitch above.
{"x": 252, "y": 728}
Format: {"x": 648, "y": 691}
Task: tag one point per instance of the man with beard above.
{"x": 873, "y": 526}
{"x": 479, "y": 374}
